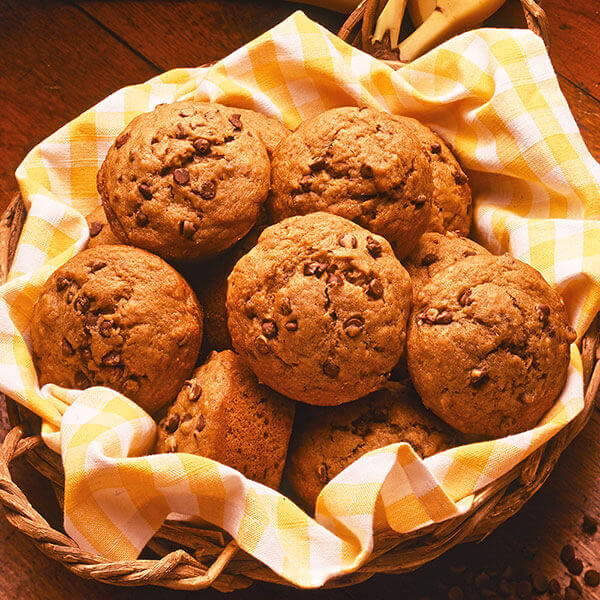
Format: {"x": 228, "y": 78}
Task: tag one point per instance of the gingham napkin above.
{"x": 492, "y": 94}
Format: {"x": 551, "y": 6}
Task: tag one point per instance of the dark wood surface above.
{"x": 59, "y": 58}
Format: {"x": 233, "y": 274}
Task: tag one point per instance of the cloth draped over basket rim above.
{"x": 492, "y": 94}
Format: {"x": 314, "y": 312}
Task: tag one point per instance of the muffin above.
{"x": 185, "y": 181}
{"x": 100, "y": 232}
{"x": 488, "y": 345}
{"x": 362, "y": 164}
{"x": 269, "y": 130}
{"x": 119, "y": 317}
{"x": 451, "y": 203}
{"x": 434, "y": 252}
{"x": 223, "y": 413}
{"x": 328, "y": 439}
{"x": 318, "y": 308}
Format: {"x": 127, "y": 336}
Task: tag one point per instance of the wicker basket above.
{"x": 194, "y": 557}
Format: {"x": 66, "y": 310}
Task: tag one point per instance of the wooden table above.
{"x": 58, "y": 58}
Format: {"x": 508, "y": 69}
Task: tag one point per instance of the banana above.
{"x": 419, "y": 10}
{"x": 449, "y": 18}
{"x": 341, "y": 6}
{"x": 390, "y": 20}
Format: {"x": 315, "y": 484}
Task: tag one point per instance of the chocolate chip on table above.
{"x": 366, "y": 171}
{"x": 67, "y": 348}
{"x": 236, "y": 121}
{"x": 477, "y": 375}
{"x": 140, "y": 218}
{"x": 62, "y": 283}
{"x": 436, "y": 148}
{"x": 589, "y": 525}
{"x": 539, "y": 582}
{"x": 111, "y": 359}
{"x": 181, "y": 176}
{"x": 200, "y": 423}
{"x": 291, "y": 325}
{"x": 428, "y": 259}
{"x": 269, "y": 328}
{"x": 375, "y": 289}
{"x": 460, "y": 178}
{"x": 122, "y": 139}
{"x": 575, "y": 566}
{"x": 543, "y": 312}
{"x": 455, "y": 593}
{"x": 95, "y": 228}
{"x": 172, "y": 423}
{"x": 373, "y": 247}
{"x": 202, "y": 146}
{"x": 262, "y": 345}
{"x": 145, "y": 191}
{"x": 592, "y": 578}
{"x": 567, "y": 554}
{"x": 208, "y": 190}
{"x": 353, "y": 326}
{"x": 285, "y": 308}
{"x": 465, "y": 298}
{"x": 82, "y": 304}
{"x": 331, "y": 369}
{"x": 187, "y": 229}
{"x": 347, "y": 240}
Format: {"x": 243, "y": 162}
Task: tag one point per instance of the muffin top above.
{"x": 318, "y": 308}
{"x": 362, "y": 164}
{"x": 120, "y": 317}
{"x": 488, "y": 345}
{"x": 269, "y": 130}
{"x": 184, "y": 181}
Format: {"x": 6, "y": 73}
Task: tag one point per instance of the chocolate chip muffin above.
{"x": 318, "y": 308}
{"x": 119, "y": 317}
{"x": 326, "y": 440}
{"x": 100, "y": 232}
{"x": 269, "y": 130}
{"x": 434, "y": 252}
{"x": 223, "y": 413}
{"x": 362, "y": 164}
{"x": 184, "y": 181}
{"x": 488, "y": 345}
{"x": 451, "y": 203}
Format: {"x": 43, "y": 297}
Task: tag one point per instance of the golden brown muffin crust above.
{"x": 100, "y": 232}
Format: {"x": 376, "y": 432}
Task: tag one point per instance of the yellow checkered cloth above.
{"x": 490, "y": 93}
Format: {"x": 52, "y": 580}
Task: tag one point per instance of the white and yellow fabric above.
{"x": 492, "y": 94}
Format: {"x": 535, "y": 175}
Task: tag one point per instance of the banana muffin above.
{"x": 488, "y": 345}
{"x": 223, "y": 413}
{"x": 362, "y": 164}
{"x": 318, "y": 308}
{"x": 100, "y": 232}
{"x": 328, "y": 439}
{"x": 120, "y": 317}
{"x": 185, "y": 181}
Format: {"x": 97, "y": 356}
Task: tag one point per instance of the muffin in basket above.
{"x": 223, "y": 413}
{"x": 120, "y": 317}
{"x": 100, "y": 231}
{"x": 318, "y": 308}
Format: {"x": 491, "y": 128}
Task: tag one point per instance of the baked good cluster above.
{"x": 284, "y": 302}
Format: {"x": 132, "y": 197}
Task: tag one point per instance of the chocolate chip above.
{"x": 202, "y": 146}
{"x": 81, "y": 381}
{"x": 477, "y": 375}
{"x": 82, "y": 304}
{"x": 460, "y": 178}
{"x": 420, "y": 201}
{"x": 571, "y": 594}
{"x": 589, "y": 524}
{"x": 373, "y": 247}
{"x": 443, "y": 318}
{"x": 194, "y": 390}
{"x": 353, "y": 326}
{"x": 208, "y": 190}
{"x": 187, "y": 229}
{"x": 200, "y": 423}
{"x": 269, "y": 328}
{"x": 334, "y": 280}
{"x": 67, "y": 348}
{"x": 145, "y": 191}
{"x": 141, "y": 219}
{"x": 62, "y": 283}
{"x": 285, "y": 308}
{"x": 428, "y": 259}
{"x": 539, "y": 582}
{"x": 105, "y": 328}
{"x": 181, "y": 176}
{"x": 172, "y": 423}
{"x": 236, "y": 121}
{"x": 455, "y": 593}
{"x": 262, "y": 345}
{"x": 567, "y": 554}
{"x": 592, "y": 578}
{"x": 180, "y": 130}
{"x": 375, "y": 289}
{"x": 95, "y": 228}
{"x": 322, "y": 474}
{"x": 366, "y": 171}
{"x": 436, "y": 148}
{"x": 96, "y": 265}
{"x": 111, "y": 359}
{"x": 318, "y": 165}
{"x": 291, "y": 325}
{"x": 347, "y": 240}
{"x": 331, "y": 369}
{"x": 575, "y": 566}
{"x": 465, "y": 298}
{"x": 122, "y": 139}
{"x": 543, "y": 312}
{"x": 314, "y": 268}
{"x": 524, "y": 589}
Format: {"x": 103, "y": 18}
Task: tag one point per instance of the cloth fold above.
{"x": 492, "y": 95}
